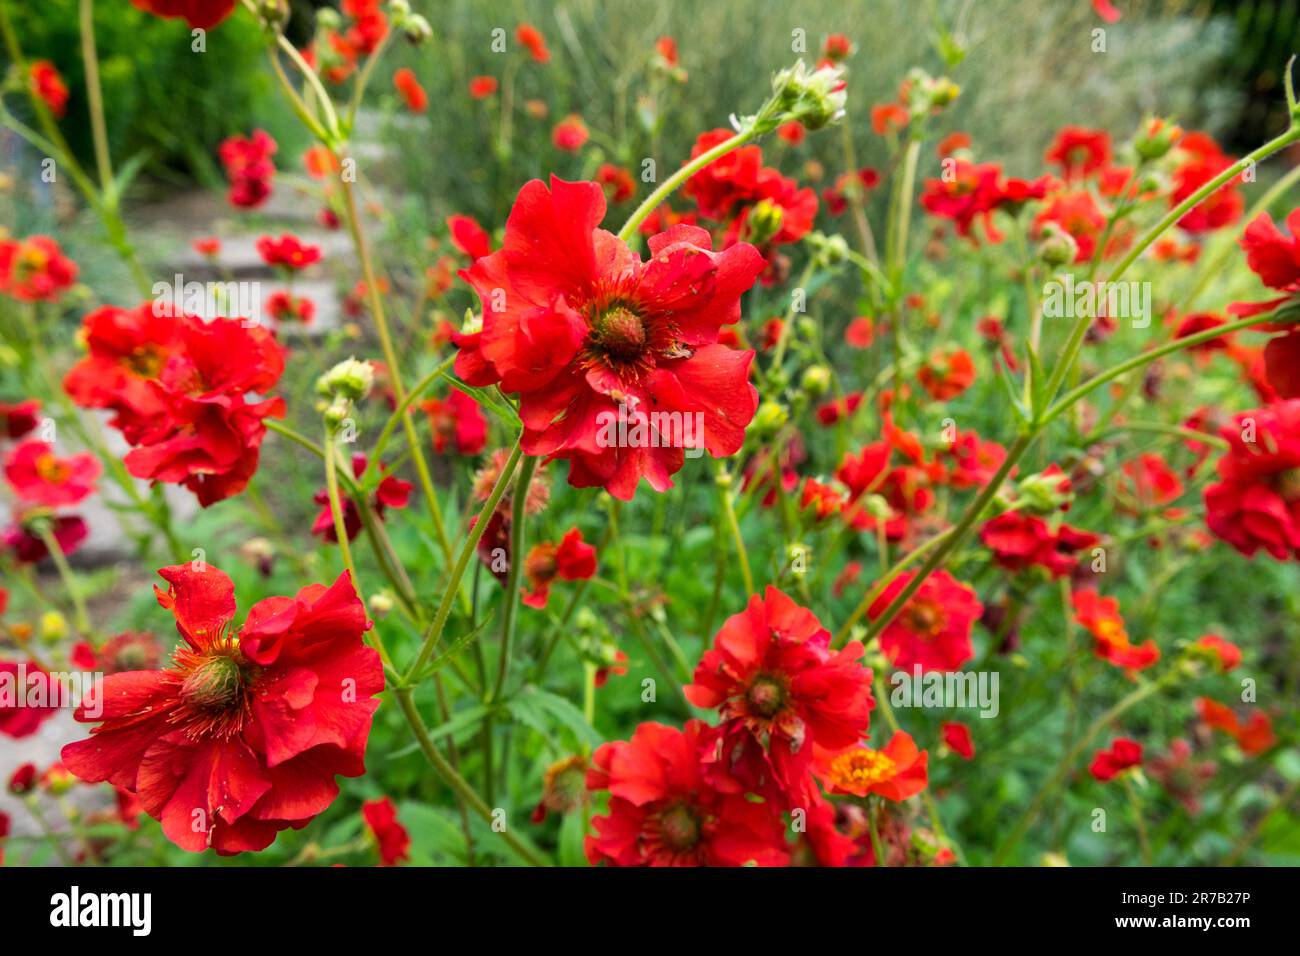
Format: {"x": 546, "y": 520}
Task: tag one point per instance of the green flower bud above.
{"x": 764, "y": 222}
{"x": 814, "y": 98}
{"x": 1056, "y": 247}
{"x": 769, "y": 418}
{"x": 816, "y": 380}
{"x": 351, "y": 379}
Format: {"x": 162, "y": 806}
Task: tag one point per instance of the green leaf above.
{"x": 542, "y": 711}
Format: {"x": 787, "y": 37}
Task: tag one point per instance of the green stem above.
{"x": 336, "y": 506}
{"x": 94, "y": 96}
{"x": 518, "y": 514}
{"x": 723, "y": 482}
{"x": 70, "y": 583}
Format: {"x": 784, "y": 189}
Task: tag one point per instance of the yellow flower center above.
{"x": 861, "y": 767}
{"x": 51, "y": 469}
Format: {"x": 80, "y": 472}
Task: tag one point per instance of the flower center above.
{"x": 1288, "y": 484}
{"x": 620, "y": 333}
{"x": 680, "y": 827}
{"x": 51, "y": 469}
{"x": 925, "y": 618}
{"x": 146, "y": 361}
{"x": 214, "y": 685}
{"x": 765, "y": 696}
{"x": 862, "y": 767}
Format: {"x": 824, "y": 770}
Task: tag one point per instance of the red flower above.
{"x": 1154, "y": 483}
{"x": 244, "y": 735}
{"x": 1253, "y": 737}
{"x": 20, "y": 418}
{"x": 1256, "y": 502}
{"x": 391, "y": 492}
{"x": 888, "y": 118}
{"x": 393, "y": 840}
{"x": 1182, "y": 777}
{"x": 933, "y": 629}
{"x": 481, "y": 87}
{"x": 664, "y": 812}
{"x": 249, "y": 168}
{"x": 179, "y": 387}
{"x": 1225, "y": 654}
{"x": 951, "y": 143}
{"x": 1019, "y": 541}
{"x": 971, "y": 462}
{"x": 1275, "y": 258}
{"x": 287, "y": 251}
{"x": 1079, "y": 152}
{"x": 824, "y": 500}
{"x": 578, "y": 325}
{"x": 957, "y": 736}
{"x": 571, "y": 560}
{"x": 617, "y": 181}
{"x": 23, "y": 779}
{"x": 666, "y": 47}
{"x": 37, "y": 475}
{"x": 127, "y": 353}
{"x": 831, "y": 412}
{"x": 199, "y": 14}
{"x": 947, "y": 373}
{"x": 417, "y": 101}
{"x": 209, "y": 247}
{"x": 1077, "y": 214}
{"x": 793, "y": 132}
{"x": 17, "y": 718}
{"x": 457, "y": 423}
{"x": 1202, "y": 160}
{"x": 837, "y": 48}
{"x": 779, "y": 689}
{"x": 284, "y": 307}
{"x": 469, "y": 237}
{"x": 897, "y": 772}
{"x": 1106, "y": 10}
{"x": 28, "y": 547}
{"x": 1101, "y": 617}
{"x": 570, "y": 133}
{"x": 49, "y": 86}
{"x": 531, "y": 39}
{"x": 1122, "y": 755}
{"x": 34, "y": 269}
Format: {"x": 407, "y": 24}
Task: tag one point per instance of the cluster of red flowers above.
{"x": 199, "y": 14}
{"x": 794, "y": 714}
{"x": 244, "y": 734}
{"x": 179, "y": 391}
{"x": 750, "y": 202}
{"x": 249, "y": 167}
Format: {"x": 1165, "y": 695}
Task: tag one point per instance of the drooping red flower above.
{"x": 22, "y": 711}
{"x": 573, "y": 559}
{"x": 933, "y": 630}
{"x": 779, "y": 689}
{"x": 34, "y": 269}
{"x": 837, "y": 48}
{"x": 48, "y": 84}
{"x": 23, "y": 540}
{"x": 1019, "y": 541}
{"x": 457, "y": 423}
{"x": 1225, "y": 654}
{"x": 1101, "y": 617}
{"x": 896, "y": 772}
{"x": 18, "y": 419}
{"x": 249, "y": 168}
{"x": 1079, "y": 152}
{"x": 481, "y": 87}
{"x": 947, "y": 373}
{"x": 1182, "y": 777}
{"x": 209, "y": 436}
{"x": 287, "y": 252}
{"x": 412, "y": 93}
{"x": 1122, "y": 755}
{"x": 23, "y": 779}
{"x": 244, "y": 735}
{"x": 38, "y": 475}
{"x": 1256, "y": 502}
{"x": 957, "y": 736}
{"x": 585, "y": 331}
{"x": 391, "y": 492}
{"x": 199, "y": 14}
{"x": 663, "y": 811}
{"x": 570, "y": 134}
{"x": 531, "y": 39}
{"x": 390, "y": 836}
{"x": 564, "y": 788}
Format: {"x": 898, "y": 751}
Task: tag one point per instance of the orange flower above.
{"x": 896, "y": 773}
{"x": 1102, "y": 619}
